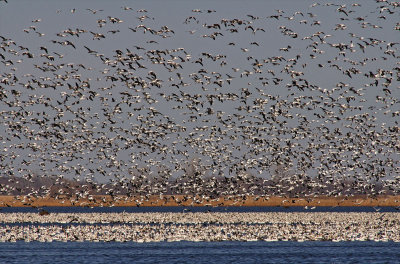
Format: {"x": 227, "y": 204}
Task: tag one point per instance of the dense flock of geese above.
{"x": 170, "y": 227}
{"x": 131, "y": 100}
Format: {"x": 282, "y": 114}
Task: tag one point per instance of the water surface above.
{"x": 200, "y": 252}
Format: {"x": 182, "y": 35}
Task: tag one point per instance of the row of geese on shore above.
{"x": 156, "y": 227}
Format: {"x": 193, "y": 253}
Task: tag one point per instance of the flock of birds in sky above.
{"x": 146, "y": 106}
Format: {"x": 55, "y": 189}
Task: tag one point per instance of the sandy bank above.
{"x": 180, "y": 200}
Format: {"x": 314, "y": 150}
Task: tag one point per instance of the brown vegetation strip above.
{"x": 180, "y": 200}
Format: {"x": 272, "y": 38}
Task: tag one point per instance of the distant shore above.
{"x": 181, "y": 200}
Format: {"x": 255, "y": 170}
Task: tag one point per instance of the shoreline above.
{"x": 184, "y": 200}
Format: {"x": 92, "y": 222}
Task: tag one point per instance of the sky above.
{"x": 121, "y": 89}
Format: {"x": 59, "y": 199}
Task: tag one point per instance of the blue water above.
{"x": 174, "y": 209}
{"x": 200, "y": 252}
